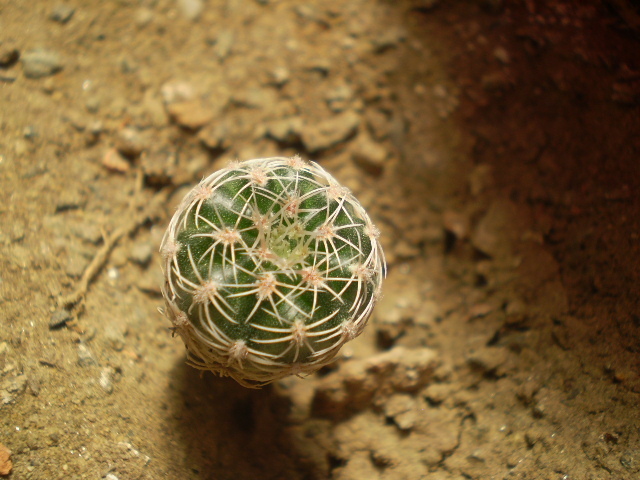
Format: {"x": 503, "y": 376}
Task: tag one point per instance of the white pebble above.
{"x": 190, "y": 9}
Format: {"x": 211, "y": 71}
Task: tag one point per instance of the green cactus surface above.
{"x": 271, "y": 266}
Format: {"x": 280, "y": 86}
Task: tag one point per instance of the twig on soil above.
{"x": 100, "y": 258}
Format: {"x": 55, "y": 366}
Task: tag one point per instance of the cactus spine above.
{"x": 270, "y": 267}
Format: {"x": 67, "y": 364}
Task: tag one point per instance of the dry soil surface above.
{"x": 495, "y": 142}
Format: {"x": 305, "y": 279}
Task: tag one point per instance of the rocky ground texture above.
{"x": 495, "y": 143}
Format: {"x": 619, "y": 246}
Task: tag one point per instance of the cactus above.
{"x": 270, "y": 267}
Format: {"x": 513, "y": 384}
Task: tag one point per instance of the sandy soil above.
{"x": 495, "y": 143}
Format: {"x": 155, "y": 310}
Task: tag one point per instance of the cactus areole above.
{"x": 270, "y": 267}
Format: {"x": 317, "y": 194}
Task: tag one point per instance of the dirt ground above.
{"x": 496, "y": 144}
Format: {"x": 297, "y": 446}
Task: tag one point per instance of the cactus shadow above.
{"x": 228, "y": 431}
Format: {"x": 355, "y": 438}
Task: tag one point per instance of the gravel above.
{"x": 59, "y": 319}
{"x": 191, "y": 115}
{"x": 85, "y": 357}
{"x": 41, "y": 63}
{"x": 130, "y": 142}
{"x": 9, "y": 55}
{"x": 62, "y": 13}
{"x": 191, "y": 9}
{"x": 330, "y": 132}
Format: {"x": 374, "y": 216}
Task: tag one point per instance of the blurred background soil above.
{"x": 496, "y": 144}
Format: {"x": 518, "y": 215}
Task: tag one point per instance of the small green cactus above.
{"x": 270, "y": 266}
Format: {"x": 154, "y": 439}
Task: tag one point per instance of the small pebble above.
{"x": 280, "y": 75}
{"x": 339, "y": 97}
{"x": 30, "y": 132}
{"x": 115, "y": 162}
{"x": 85, "y": 357}
{"x": 177, "y": 91}
{"x": 369, "y": 155}
{"x": 20, "y": 147}
{"x": 495, "y": 81}
{"x": 113, "y": 274}
{"x": 6, "y": 398}
{"x": 390, "y": 38}
{"x": 190, "y": 9}
{"x": 129, "y": 142}
{"x": 320, "y": 65}
{"x": 457, "y": 223}
{"x": 77, "y": 120}
{"x": 330, "y": 132}
{"x": 128, "y": 65}
{"x": 94, "y": 130}
{"x": 76, "y": 263}
{"x": 34, "y": 386}
{"x": 286, "y": 130}
{"x": 191, "y": 114}
{"x": 255, "y": 98}
{"x": 224, "y": 43}
{"x": 40, "y": 63}
{"x": 141, "y": 253}
{"x": 487, "y": 360}
{"x": 115, "y": 338}
{"x": 92, "y": 104}
{"x": 5, "y": 460}
{"x": 59, "y": 318}
{"x": 378, "y": 123}
{"x": 48, "y": 85}
{"x": 153, "y": 112}
{"x": 8, "y": 55}
{"x": 62, "y": 13}
{"x": 143, "y": 17}
{"x": 402, "y": 409}
{"x": 106, "y": 379}
{"x": 15, "y": 385}
{"x": 215, "y": 136}
{"x": 308, "y": 12}
{"x": 7, "y": 78}
{"x": 437, "y": 393}
{"x": 630, "y": 460}
{"x": 501, "y": 54}
{"x": 70, "y": 199}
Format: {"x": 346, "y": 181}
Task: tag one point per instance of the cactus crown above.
{"x": 271, "y": 266}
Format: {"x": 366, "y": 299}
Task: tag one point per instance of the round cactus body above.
{"x": 271, "y": 266}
